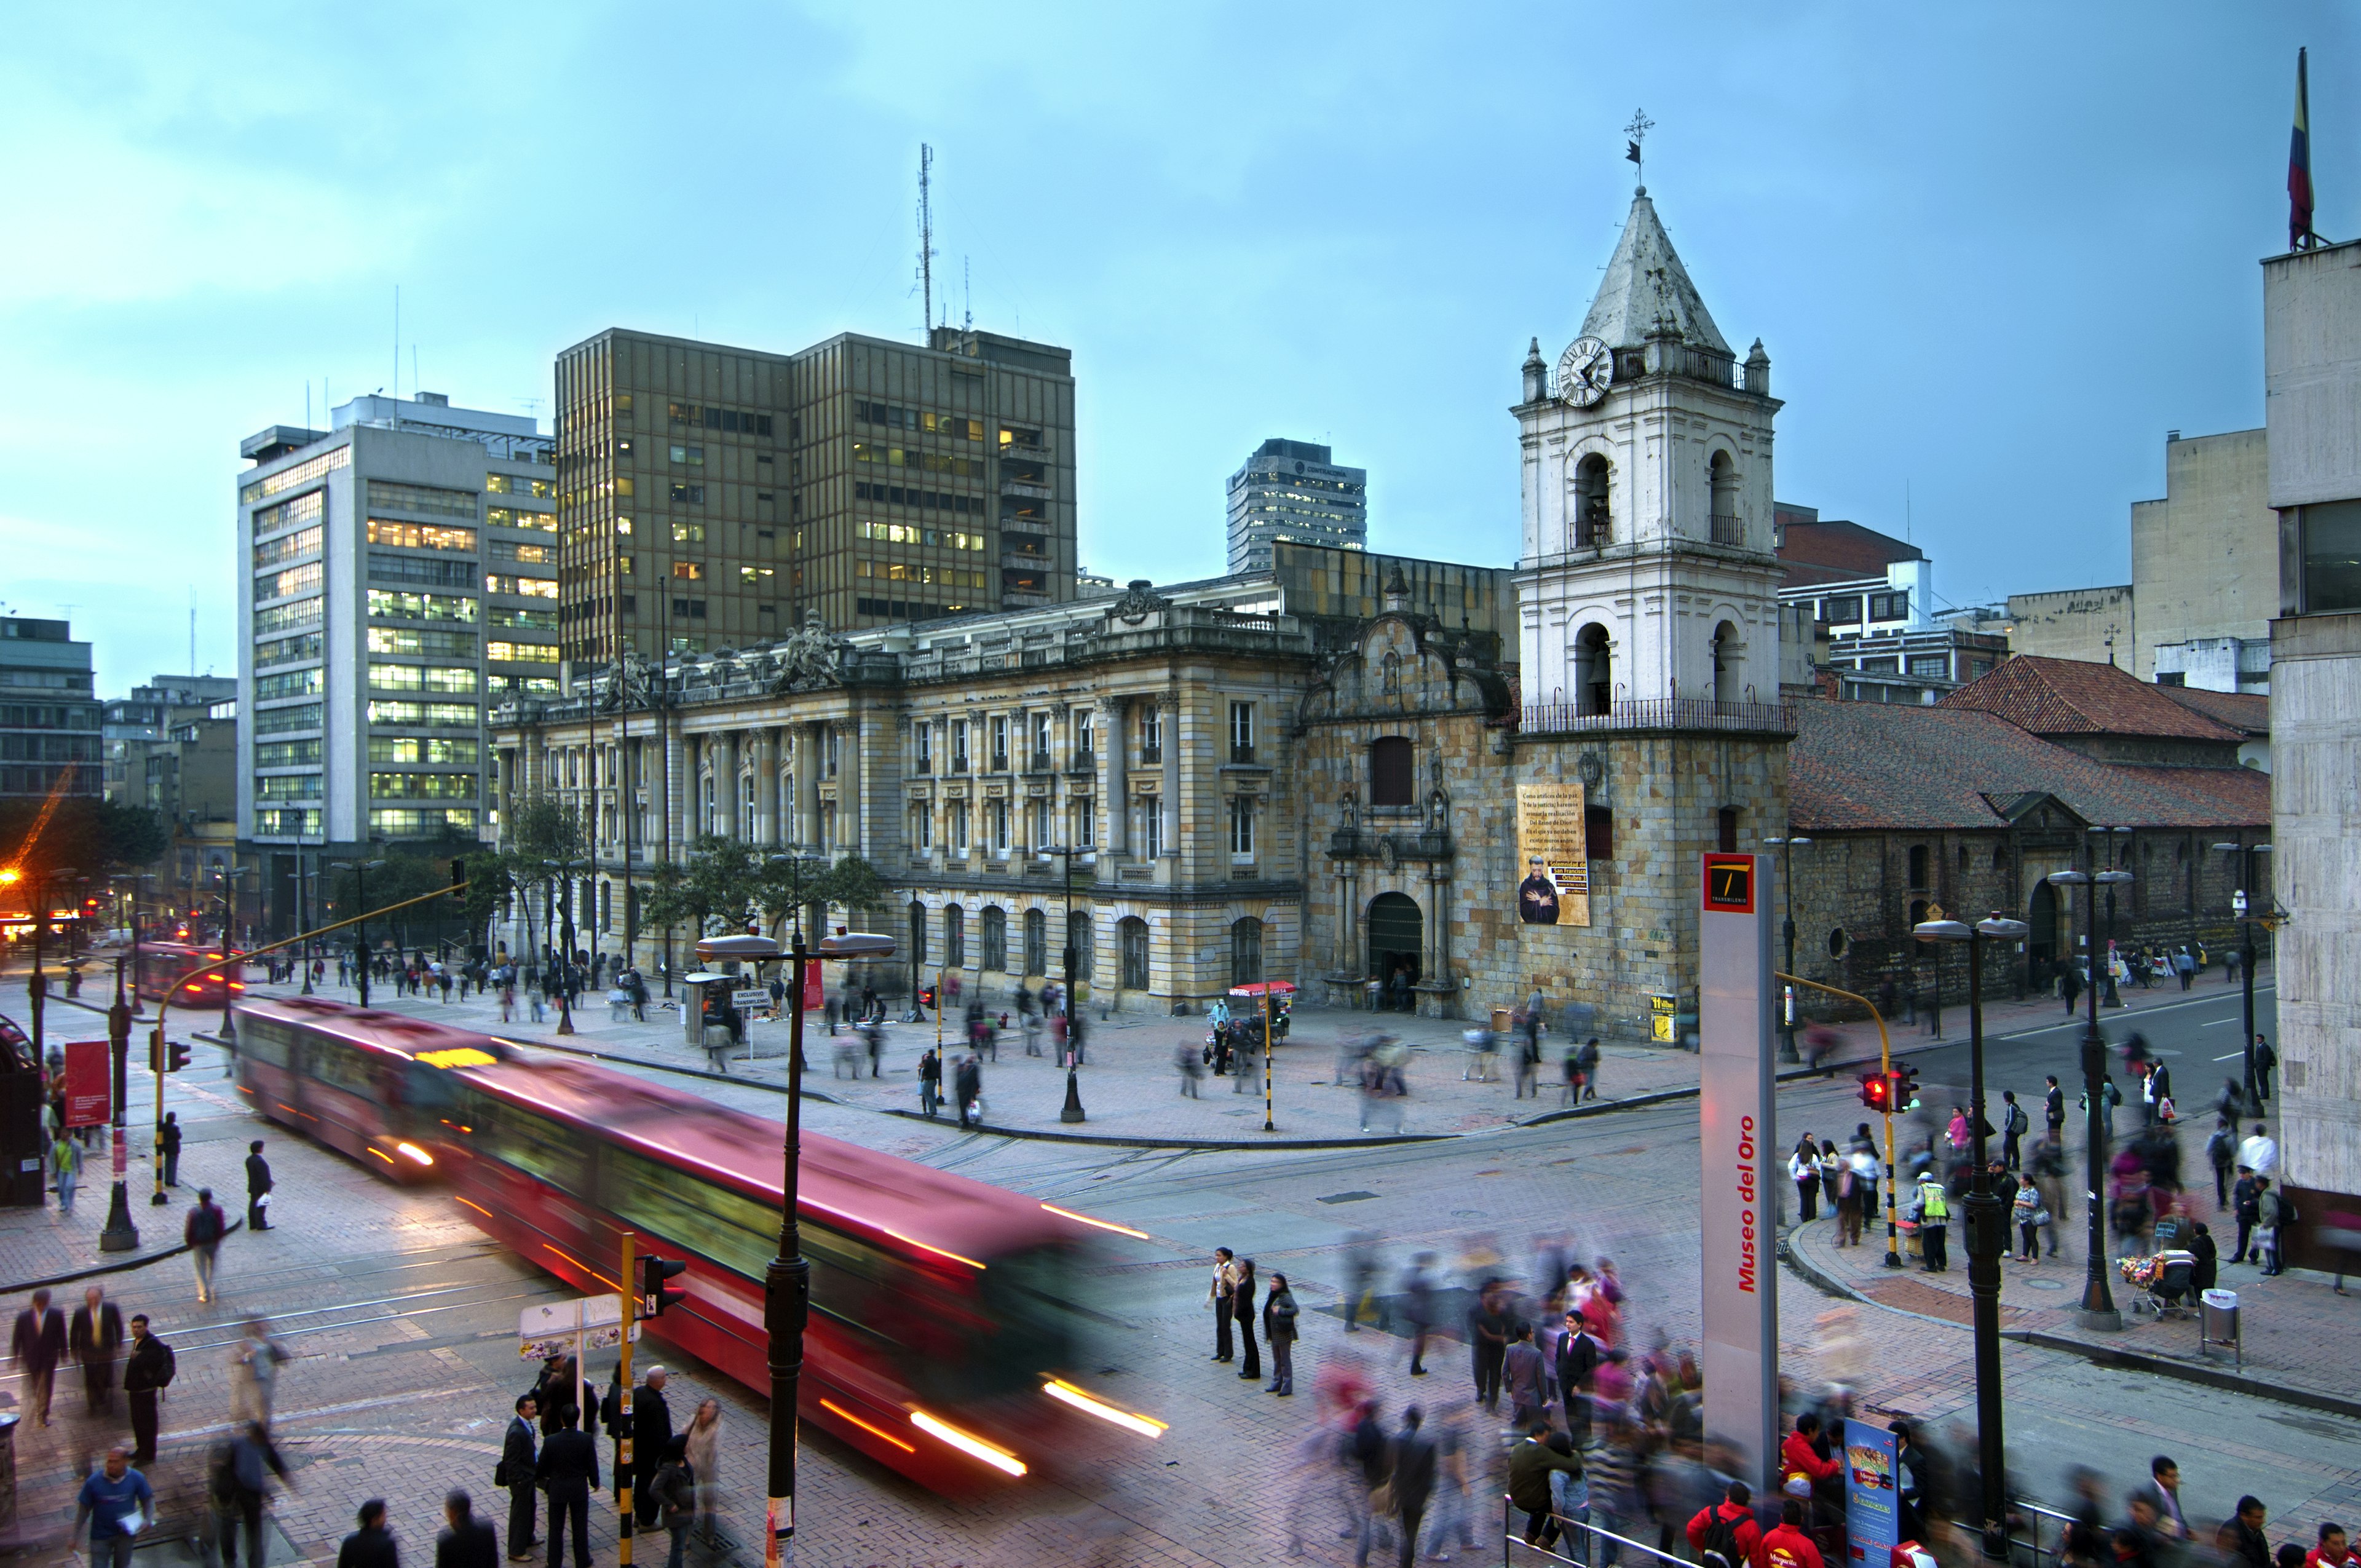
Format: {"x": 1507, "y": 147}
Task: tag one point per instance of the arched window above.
{"x": 1592, "y": 525}
{"x": 1393, "y": 776}
{"x": 1134, "y": 934}
{"x": 1721, "y": 481}
{"x": 1594, "y": 682}
{"x": 1728, "y": 670}
{"x": 1837, "y": 942}
{"x": 954, "y": 936}
{"x": 995, "y": 937}
{"x": 918, "y": 933}
{"x": 1918, "y": 866}
{"x": 1245, "y": 952}
{"x": 1036, "y": 942}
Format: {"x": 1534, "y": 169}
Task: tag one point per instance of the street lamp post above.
{"x": 2244, "y": 906}
{"x": 229, "y": 879}
{"x": 2098, "y": 1310}
{"x": 120, "y": 1235}
{"x": 38, "y": 988}
{"x": 1072, "y": 1110}
{"x": 1986, "y": 1229}
{"x": 2113, "y": 876}
{"x": 360, "y": 870}
{"x": 565, "y": 870}
{"x": 786, "y": 1284}
{"x": 1787, "y": 931}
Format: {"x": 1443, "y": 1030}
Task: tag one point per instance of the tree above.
{"x": 96, "y": 838}
{"x": 717, "y": 886}
{"x": 491, "y": 885}
{"x": 792, "y": 884}
{"x": 542, "y": 830}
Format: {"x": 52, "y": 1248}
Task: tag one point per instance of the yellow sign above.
{"x": 1552, "y": 856}
{"x": 1662, "y": 1015}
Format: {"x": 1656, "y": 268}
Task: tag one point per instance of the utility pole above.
{"x": 120, "y": 1235}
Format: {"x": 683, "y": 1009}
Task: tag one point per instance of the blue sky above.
{"x": 1994, "y": 253}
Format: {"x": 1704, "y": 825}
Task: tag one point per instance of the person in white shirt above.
{"x": 2260, "y": 1153}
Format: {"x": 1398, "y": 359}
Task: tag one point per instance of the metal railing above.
{"x": 1515, "y": 1549}
{"x": 1727, "y": 528}
{"x": 1658, "y": 713}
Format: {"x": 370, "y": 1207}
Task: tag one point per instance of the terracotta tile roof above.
{"x": 2075, "y": 696}
{"x": 1865, "y": 766}
{"x": 2244, "y": 711}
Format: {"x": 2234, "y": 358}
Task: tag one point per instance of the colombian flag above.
{"x": 2300, "y": 166}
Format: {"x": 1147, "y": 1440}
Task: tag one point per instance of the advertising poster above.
{"x": 89, "y": 1102}
{"x": 1552, "y": 858}
{"x": 1739, "y": 1176}
{"x": 1872, "y": 1494}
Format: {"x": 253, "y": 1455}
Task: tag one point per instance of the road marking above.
{"x": 2234, "y": 1056}
{"x": 2216, "y": 1023}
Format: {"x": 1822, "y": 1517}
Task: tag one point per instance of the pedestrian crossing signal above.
{"x": 654, "y": 1294}
{"x": 178, "y": 1057}
{"x": 1906, "y": 1089}
{"x": 1877, "y": 1092}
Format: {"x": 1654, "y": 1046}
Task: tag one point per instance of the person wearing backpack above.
{"x": 203, "y": 1233}
{"x": 1725, "y": 1535}
{"x": 145, "y": 1378}
{"x": 673, "y": 1493}
{"x": 2014, "y": 1125}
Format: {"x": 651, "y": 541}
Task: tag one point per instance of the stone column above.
{"x": 725, "y": 784}
{"x": 858, "y": 731}
{"x": 1115, "y": 835}
{"x": 671, "y": 802}
{"x": 1175, "y": 715}
{"x": 766, "y": 786}
{"x": 1435, "y": 963}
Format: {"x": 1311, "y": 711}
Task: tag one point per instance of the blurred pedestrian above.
{"x": 1223, "y": 1295}
{"x": 146, "y": 1376}
{"x": 520, "y": 1471}
{"x": 371, "y": 1544}
{"x": 466, "y": 1542}
{"x": 1531, "y": 1463}
{"x": 930, "y": 1082}
{"x": 1413, "y": 1480}
{"x": 2260, "y": 1153}
{"x": 254, "y": 1374}
{"x": 2241, "y": 1539}
{"x": 94, "y": 1339}
{"x": 1242, "y": 1308}
{"x": 116, "y": 1503}
{"x": 568, "y": 1470}
{"x": 1418, "y": 1307}
{"x": 703, "y": 1450}
{"x": 167, "y": 1138}
{"x": 2014, "y": 1125}
{"x": 967, "y": 1084}
{"x": 1188, "y": 1060}
{"x": 1366, "y": 1455}
{"x": 672, "y": 1497}
{"x": 65, "y": 1170}
{"x": 1278, "y": 1314}
{"x": 242, "y": 1471}
{"x": 1587, "y": 1062}
{"x": 650, "y": 1438}
{"x": 39, "y": 1343}
{"x": 2332, "y": 1550}
{"x": 1487, "y": 1341}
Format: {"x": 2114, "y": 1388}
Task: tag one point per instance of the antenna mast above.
{"x": 967, "y": 298}
{"x": 926, "y": 235}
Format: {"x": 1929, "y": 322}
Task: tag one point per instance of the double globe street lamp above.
{"x": 2098, "y": 1300}
{"x": 1787, "y": 932}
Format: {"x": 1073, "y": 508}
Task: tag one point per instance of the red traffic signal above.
{"x": 1877, "y": 1092}
{"x": 654, "y": 1294}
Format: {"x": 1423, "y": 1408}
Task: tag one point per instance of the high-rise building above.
{"x": 397, "y": 570}
{"x": 1290, "y": 490}
{"x": 713, "y": 496}
{"x": 129, "y": 722}
{"x": 49, "y": 719}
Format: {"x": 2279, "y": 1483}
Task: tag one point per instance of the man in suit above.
{"x": 39, "y": 1343}
{"x": 466, "y": 1542}
{"x": 149, "y": 1370}
{"x": 1579, "y": 1356}
{"x": 519, "y": 1470}
{"x": 95, "y": 1339}
{"x": 257, "y": 1187}
{"x": 1414, "y": 1481}
{"x": 651, "y": 1436}
{"x": 569, "y": 1468}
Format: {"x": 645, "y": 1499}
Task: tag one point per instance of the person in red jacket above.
{"x": 1787, "y": 1546}
{"x": 1798, "y": 1456}
{"x": 1727, "y": 1529}
{"x": 2333, "y": 1552}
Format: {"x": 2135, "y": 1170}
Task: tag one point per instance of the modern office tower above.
{"x": 129, "y": 722}
{"x": 49, "y": 719}
{"x": 398, "y": 571}
{"x": 711, "y": 497}
{"x": 1290, "y": 490}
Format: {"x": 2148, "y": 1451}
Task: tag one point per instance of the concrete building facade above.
{"x": 128, "y": 722}
{"x": 711, "y": 497}
{"x": 2205, "y": 566}
{"x": 50, "y": 720}
{"x": 2096, "y": 625}
{"x": 1292, "y": 492}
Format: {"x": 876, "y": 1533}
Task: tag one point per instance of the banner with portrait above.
{"x": 1553, "y": 860}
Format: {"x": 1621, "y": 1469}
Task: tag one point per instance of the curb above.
{"x": 2121, "y": 1360}
{"x": 1273, "y": 1142}
{"x": 136, "y": 1260}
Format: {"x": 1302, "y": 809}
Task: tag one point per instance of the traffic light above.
{"x": 1906, "y": 1089}
{"x": 155, "y": 1051}
{"x": 654, "y": 1294}
{"x": 927, "y": 996}
{"x": 178, "y": 1058}
{"x": 1877, "y": 1092}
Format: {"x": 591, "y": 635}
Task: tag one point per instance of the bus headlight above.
{"x": 413, "y": 1152}
{"x": 972, "y": 1446}
{"x": 1066, "y": 1393}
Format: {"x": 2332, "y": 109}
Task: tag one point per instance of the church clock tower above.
{"x": 1648, "y": 573}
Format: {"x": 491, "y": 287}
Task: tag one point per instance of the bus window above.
{"x": 533, "y": 1145}
{"x": 265, "y": 1041}
{"x": 339, "y": 1066}
{"x": 736, "y": 1233}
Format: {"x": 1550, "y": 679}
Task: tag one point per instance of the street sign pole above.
{"x": 1735, "y": 1047}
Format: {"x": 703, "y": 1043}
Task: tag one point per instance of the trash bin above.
{"x": 8, "y": 1469}
{"x": 1499, "y": 1020}
{"x": 2217, "y": 1318}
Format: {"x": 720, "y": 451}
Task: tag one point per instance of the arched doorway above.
{"x": 1134, "y": 935}
{"x": 1395, "y": 932}
{"x": 2041, "y": 943}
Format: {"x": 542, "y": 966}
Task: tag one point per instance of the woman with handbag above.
{"x": 673, "y": 1493}
{"x": 2030, "y": 1216}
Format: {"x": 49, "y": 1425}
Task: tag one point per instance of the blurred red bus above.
{"x": 947, "y": 1331}
{"x": 168, "y": 965}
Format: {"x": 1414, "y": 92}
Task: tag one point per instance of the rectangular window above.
{"x": 509, "y": 517}
{"x": 1000, "y": 741}
{"x": 387, "y": 494}
{"x": 525, "y": 484}
{"x": 688, "y": 495}
{"x": 278, "y": 720}
{"x": 423, "y": 786}
{"x": 413, "y": 821}
{"x": 922, "y": 827}
{"x": 688, "y": 455}
{"x": 286, "y": 547}
{"x": 301, "y": 473}
{"x": 1597, "y": 833}
{"x": 285, "y": 585}
{"x": 1151, "y": 734}
{"x": 286, "y": 822}
{"x": 1890, "y": 607}
{"x": 959, "y": 745}
{"x": 525, "y": 587}
{"x": 281, "y": 618}
{"x": 529, "y": 554}
{"x": 996, "y": 813}
{"x": 422, "y": 677}
{"x": 521, "y": 653}
{"x": 1241, "y": 819}
{"x": 415, "y": 639}
{"x": 1019, "y": 435}
{"x": 390, "y": 604}
{"x": 1242, "y": 738}
{"x": 529, "y": 620}
{"x": 2331, "y": 533}
{"x": 287, "y": 753}
{"x": 421, "y": 535}
{"x": 925, "y": 737}
{"x": 460, "y": 751}
{"x": 294, "y": 683}
{"x": 1086, "y": 822}
{"x": 1039, "y": 832}
{"x": 1041, "y": 738}
{"x": 958, "y": 827}
{"x": 288, "y": 786}
{"x": 287, "y": 650}
{"x": 1842, "y": 610}
{"x": 434, "y": 715}
{"x": 688, "y": 534}
{"x": 1151, "y": 827}
{"x": 1085, "y": 738}
{"x": 755, "y": 576}
{"x": 689, "y": 571}
{"x": 306, "y": 507}
{"x": 526, "y": 686}
{"x": 422, "y": 569}
{"x": 829, "y": 750}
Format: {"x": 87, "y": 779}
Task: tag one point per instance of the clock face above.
{"x": 1584, "y": 370}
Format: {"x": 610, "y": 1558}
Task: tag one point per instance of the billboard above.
{"x": 1741, "y": 1165}
{"x": 90, "y": 1099}
{"x": 1552, "y": 858}
{"x": 1872, "y": 1494}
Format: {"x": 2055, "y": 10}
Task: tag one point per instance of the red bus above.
{"x": 163, "y": 967}
{"x": 946, "y": 1335}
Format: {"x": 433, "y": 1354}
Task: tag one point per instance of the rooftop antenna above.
{"x": 1637, "y": 132}
{"x": 1905, "y": 513}
{"x": 397, "y": 342}
{"x": 925, "y": 236}
{"x": 967, "y": 298}
{"x": 192, "y": 631}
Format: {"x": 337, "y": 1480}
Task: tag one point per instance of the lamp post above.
{"x": 38, "y": 988}
{"x": 1987, "y": 1224}
{"x": 2243, "y": 905}
{"x": 565, "y": 870}
{"x": 303, "y": 910}
{"x": 786, "y": 1284}
{"x": 2098, "y": 1300}
{"x": 2117, "y": 839}
{"x": 1072, "y": 1110}
{"x": 1787, "y": 932}
{"x": 120, "y": 1235}
{"x": 229, "y": 881}
{"x": 360, "y": 870}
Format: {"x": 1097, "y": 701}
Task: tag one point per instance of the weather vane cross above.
{"x": 1637, "y": 131}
